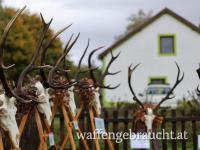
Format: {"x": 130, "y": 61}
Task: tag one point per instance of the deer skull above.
{"x": 7, "y": 118}
{"x": 146, "y": 112}
{"x": 44, "y": 107}
{"x": 97, "y": 100}
{"x": 148, "y": 119}
{"x": 72, "y": 104}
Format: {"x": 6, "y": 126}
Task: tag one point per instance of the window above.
{"x": 167, "y": 45}
{"x": 157, "y": 80}
{"x": 158, "y": 90}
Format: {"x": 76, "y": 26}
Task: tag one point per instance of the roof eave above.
{"x": 141, "y": 27}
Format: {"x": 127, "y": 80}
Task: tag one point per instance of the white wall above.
{"x": 143, "y": 48}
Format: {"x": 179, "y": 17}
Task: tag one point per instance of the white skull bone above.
{"x": 97, "y": 100}
{"x": 72, "y": 104}
{"x": 8, "y": 120}
{"x": 148, "y": 119}
{"x": 44, "y": 107}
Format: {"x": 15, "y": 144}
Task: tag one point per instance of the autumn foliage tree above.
{"x": 22, "y": 40}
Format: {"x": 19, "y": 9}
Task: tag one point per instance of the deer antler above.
{"x": 198, "y": 71}
{"x": 198, "y": 90}
{"x": 19, "y": 90}
{"x": 81, "y": 59}
{"x": 37, "y": 51}
{"x": 178, "y": 80}
{"x": 68, "y": 47}
{"x": 130, "y": 71}
{"x": 7, "y": 89}
{"x": 106, "y": 72}
{"x": 90, "y": 63}
{"x": 43, "y": 56}
{"x": 64, "y": 61}
{"x": 83, "y": 84}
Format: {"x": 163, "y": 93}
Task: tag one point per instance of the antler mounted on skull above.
{"x": 21, "y": 93}
{"x": 8, "y": 97}
{"x": 148, "y": 110}
{"x": 63, "y": 85}
{"x": 90, "y": 90}
{"x": 105, "y": 73}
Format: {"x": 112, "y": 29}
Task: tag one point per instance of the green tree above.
{"x": 22, "y": 40}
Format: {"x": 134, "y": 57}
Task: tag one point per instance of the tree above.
{"x": 136, "y": 20}
{"x": 22, "y": 40}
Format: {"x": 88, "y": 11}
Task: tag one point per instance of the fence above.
{"x": 122, "y": 120}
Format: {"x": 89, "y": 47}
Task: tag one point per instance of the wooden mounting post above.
{"x": 92, "y": 111}
{"x": 68, "y": 124}
{"x": 75, "y": 118}
{"x": 107, "y": 138}
{"x": 1, "y": 142}
{"x": 42, "y": 145}
{"x": 43, "y": 134}
{"x": 69, "y": 131}
{"x": 94, "y": 129}
{"x": 23, "y": 123}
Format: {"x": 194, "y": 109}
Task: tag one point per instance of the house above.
{"x": 156, "y": 44}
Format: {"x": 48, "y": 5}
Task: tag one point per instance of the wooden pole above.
{"x": 75, "y": 118}
{"x": 80, "y": 132}
{"x": 23, "y": 123}
{"x": 1, "y": 142}
{"x": 107, "y": 138}
{"x": 54, "y": 109}
{"x": 42, "y": 145}
{"x": 67, "y": 122}
{"x": 93, "y": 129}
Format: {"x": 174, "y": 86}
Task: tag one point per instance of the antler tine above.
{"x": 66, "y": 51}
{"x": 198, "y": 71}
{"x": 178, "y": 80}
{"x": 90, "y": 63}
{"x": 7, "y": 67}
{"x": 81, "y": 59}
{"x": 8, "y": 91}
{"x": 54, "y": 37}
{"x": 87, "y": 70}
{"x": 44, "y": 22}
{"x": 109, "y": 86}
{"x": 64, "y": 61}
{"x": 130, "y": 71}
{"x": 69, "y": 41}
{"x": 106, "y": 72}
{"x": 43, "y": 55}
{"x": 198, "y": 90}
{"x": 6, "y": 31}
{"x": 5, "y": 34}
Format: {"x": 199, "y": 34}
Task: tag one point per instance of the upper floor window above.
{"x": 167, "y": 45}
{"x": 157, "y": 80}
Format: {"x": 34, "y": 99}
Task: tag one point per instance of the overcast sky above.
{"x": 101, "y": 20}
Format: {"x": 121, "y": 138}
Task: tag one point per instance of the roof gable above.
{"x": 148, "y": 22}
